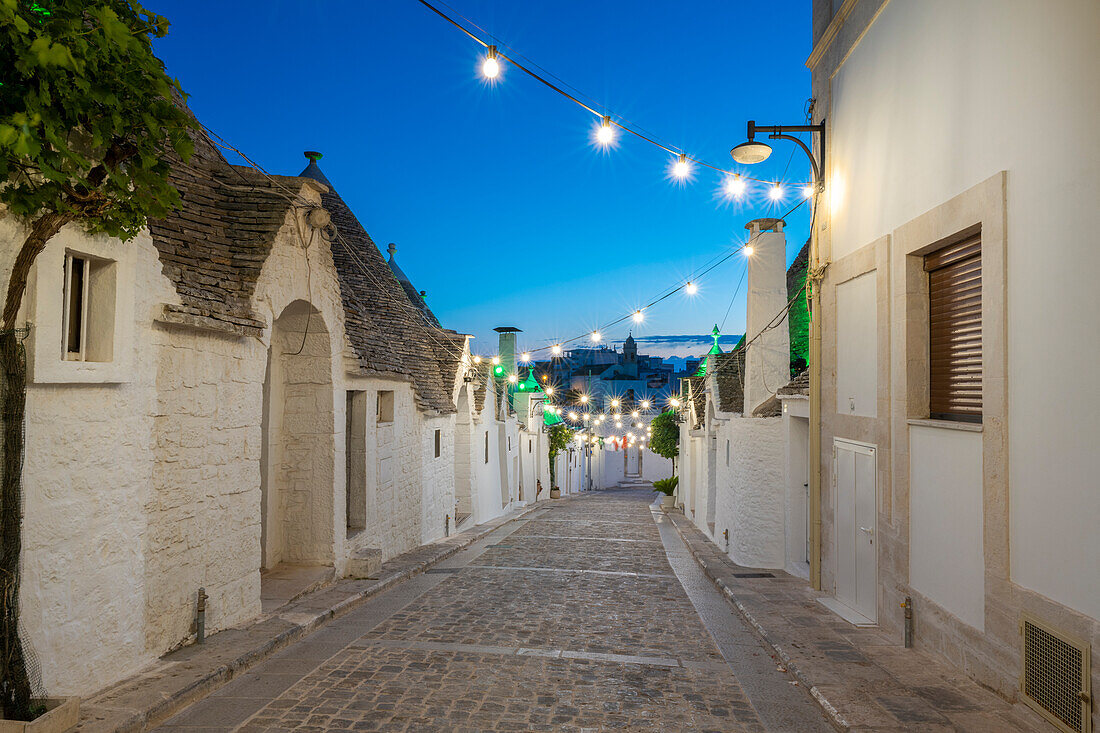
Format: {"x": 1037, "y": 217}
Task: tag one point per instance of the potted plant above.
{"x": 667, "y": 486}
{"x": 555, "y": 493}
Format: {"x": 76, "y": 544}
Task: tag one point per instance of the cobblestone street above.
{"x": 569, "y": 619}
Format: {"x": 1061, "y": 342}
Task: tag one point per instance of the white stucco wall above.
{"x": 945, "y": 520}
{"x": 751, "y": 491}
{"x": 857, "y": 347}
{"x": 1015, "y": 89}
{"x": 655, "y": 467}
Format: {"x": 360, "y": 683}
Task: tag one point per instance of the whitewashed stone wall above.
{"x": 87, "y": 471}
{"x": 751, "y": 491}
{"x": 438, "y": 479}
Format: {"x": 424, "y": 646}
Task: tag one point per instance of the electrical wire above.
{"x": 617, "y": 121}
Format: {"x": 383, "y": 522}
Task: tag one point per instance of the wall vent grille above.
{"x": 1054, "y": 675}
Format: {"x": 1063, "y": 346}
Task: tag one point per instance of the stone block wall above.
{"x": 751, "y": 491}
{"x": 438, "y": 478}
{"x": 202, "y": 506}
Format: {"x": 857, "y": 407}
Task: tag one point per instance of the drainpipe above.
{"x": 814, "y": 276}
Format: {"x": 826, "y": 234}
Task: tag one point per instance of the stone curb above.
{"x": 838, "y": 721}
{"x": 132, "y": 719}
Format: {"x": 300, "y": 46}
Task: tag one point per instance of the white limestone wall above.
{"x": 86, "y": 476}
{"x": 203, "y": 505}
{"x": 751, "y": 491}
{"x": 655, "y": 467}
{"x": 488, "y": 443}
{"x": 437, "y": 478}
{"x": 1001, "y": 66}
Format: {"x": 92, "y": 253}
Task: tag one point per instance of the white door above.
{"x": 632, "y": 461}
{"x": 854, "y": 473}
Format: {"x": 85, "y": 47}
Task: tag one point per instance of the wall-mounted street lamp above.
{"x": 753, "y": 151}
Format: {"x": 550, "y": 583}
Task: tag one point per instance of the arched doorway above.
{"x": 297, "y": 470}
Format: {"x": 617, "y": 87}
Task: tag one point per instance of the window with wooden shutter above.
{"x": 955, "y": 331}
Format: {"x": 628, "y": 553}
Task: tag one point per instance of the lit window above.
{"x": 88, "y": 318}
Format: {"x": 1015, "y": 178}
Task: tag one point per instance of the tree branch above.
{"x": 42, "y": 229}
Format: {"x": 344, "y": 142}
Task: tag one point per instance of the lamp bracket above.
{"x": 778, "y": 132}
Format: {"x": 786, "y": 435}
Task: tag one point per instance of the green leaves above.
{"x": 665, "y": 440}
{"x": 88, "y": 116}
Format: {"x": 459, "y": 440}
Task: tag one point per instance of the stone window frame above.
{"x": 44, "y": 309}
{"x": 981, "y": 208}
{"x": 385, "y": 407}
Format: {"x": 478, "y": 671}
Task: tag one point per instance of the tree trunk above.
{"x": 42, "y": 229}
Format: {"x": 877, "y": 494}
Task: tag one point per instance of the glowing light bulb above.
{"x": 615, "y": 402}
{"x": 556, "y": 349}
{"x": 477, "y": 359}
{"x": 645, "y": 404}
{"x": 585, "y": 416}
{"x": 513, "y": 378}
{"x": 584, "y": 398}
{"x": 735, "y": 186}
{"x": 496, "y": 360}
{"x": 681, "y": 169}
{"x": 618, "y": 423}
{"x": 808, "y": 191}
{"x": 572, "y": 416}
{"x": 691, "y": 288}
{"x": 596, "y": 336}
{"x": 605, "y": 134}
{"x": 748, "y": 250}
{"x": 634, "y": 414}
{"x": 549, "y": 391}
{"x": 638, "y": 316}
{"x": 525, "y": 357}
{"x": 490, "y": 67}
{"x": 775, "y": 192}
{"x": 674, "y": 402}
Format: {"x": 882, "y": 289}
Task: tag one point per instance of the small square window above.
{"x": 88, "y": 310}
{"x": 438, "y": 442}
{"x": 385, "y": 406}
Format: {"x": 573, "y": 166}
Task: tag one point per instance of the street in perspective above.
{"x": 467, "y": 365}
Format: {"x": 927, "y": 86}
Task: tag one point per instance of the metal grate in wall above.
{"x": 1054, "y": 675}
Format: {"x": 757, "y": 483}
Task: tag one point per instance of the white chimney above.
{"x": 768, "y": 360}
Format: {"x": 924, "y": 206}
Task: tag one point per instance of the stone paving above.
{"x": 574, "y": 621}
{"x": 870, "y": 681}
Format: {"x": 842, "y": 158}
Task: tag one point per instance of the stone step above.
{"x": 364, "y": 563}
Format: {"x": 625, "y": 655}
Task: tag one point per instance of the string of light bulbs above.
{"x": 735, "y": 183}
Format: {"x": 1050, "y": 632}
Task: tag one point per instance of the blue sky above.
{"x": 501, "y": 207}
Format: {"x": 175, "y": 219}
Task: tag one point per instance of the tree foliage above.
{"x": 88, "y": 122}
{"x": 665, "y": 440}
{"x": 559, "y": 436}
{"x": 87, "y": 115}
